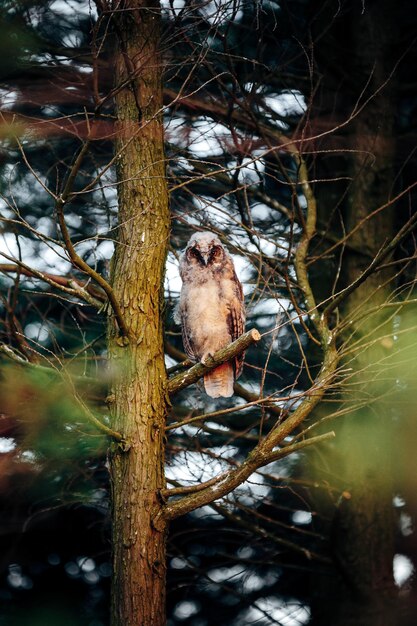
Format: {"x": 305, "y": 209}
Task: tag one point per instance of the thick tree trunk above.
{"x": 361, "y": 591}
{"x": 139, "y": 379}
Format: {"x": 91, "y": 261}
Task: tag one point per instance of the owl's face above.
{"x": 204, "y": 250}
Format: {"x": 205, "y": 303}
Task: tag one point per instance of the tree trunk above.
{"x": 361, "y": 531}
{"x": 139, "y": 397}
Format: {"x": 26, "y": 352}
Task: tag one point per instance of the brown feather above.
{"x": 187, "y": 342}
{"x": 236, "y": 324}
{"x": 219, "y": 382}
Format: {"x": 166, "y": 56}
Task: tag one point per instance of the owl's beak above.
{"x": 205, "y": 256}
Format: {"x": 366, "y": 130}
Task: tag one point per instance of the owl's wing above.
{"x": 236, "y": 321}
{"x": 186, "y": 337}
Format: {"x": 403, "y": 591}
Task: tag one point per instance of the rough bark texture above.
{"x": 139, "y": 389}
{"x": 361, "y": 532}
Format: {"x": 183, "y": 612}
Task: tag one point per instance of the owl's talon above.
{"x": 206, "y": 358}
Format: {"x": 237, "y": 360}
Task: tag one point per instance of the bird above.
{"x": 211, "y": 309}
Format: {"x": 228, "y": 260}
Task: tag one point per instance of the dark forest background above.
{"x": 240, "y": 77}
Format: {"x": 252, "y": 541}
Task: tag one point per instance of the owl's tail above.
{"x": 219, "y": 382}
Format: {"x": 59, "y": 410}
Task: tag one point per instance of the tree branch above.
{"x": 84, "y": 267}
{"x": 275, "y": 455}
{"x": 263, "y": 452}
{"x": 382, "y": 254}
{"x": 183, "y": 380}
{"x": 233, "y": 409}
{"x": 238, "y": 389}
{"x": 68, "y": 284}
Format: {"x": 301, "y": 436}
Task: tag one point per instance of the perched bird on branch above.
{"x": 211, "y": 309}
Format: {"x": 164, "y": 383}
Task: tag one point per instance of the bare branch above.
{"x": 181, "y": 381}
{"x": 68, "y": 284}
{"x": 261, "y": 454}
{"x": 82, "y": 265}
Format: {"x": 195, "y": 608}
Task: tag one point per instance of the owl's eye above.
{"x": 193, "y": 252}
{"x": 215, "y": 253}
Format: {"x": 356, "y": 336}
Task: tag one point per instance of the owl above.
{"x": 211, "y": 310}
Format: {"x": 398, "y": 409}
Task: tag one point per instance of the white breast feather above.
{"x": 206, "y": 317}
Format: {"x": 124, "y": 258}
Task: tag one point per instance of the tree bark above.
{"x": 139, "y": 396}
{"x": 361, "y": 527}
